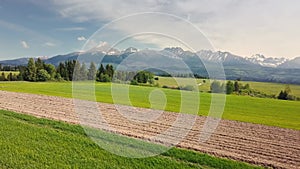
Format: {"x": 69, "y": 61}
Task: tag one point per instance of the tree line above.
{"x": 239, "y": 89}
{"x": 72, "y": 70}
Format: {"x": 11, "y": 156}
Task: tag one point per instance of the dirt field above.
{"x": 253, "y": 143}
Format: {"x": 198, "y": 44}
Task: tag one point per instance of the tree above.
{"x": 2, "y": 77}
{"x": 101, "y": 69}
{"x": 62, "y": 71}
{"x": 236, "y": 86}
{"x": 39, "y": 64}
{"x": 109, "y": 70}
{"x": 144, "y": 77}
{"x": 70, "y": 66}
{"x": 92, "y": 71}
{"x": 83, "y": 72}
{"x": 43, "y": 75}
{"x": 229, "y": 87}
{"x": 216, "y": 87}
{"x": 31, "y": 70}
{"x": 282, "y": 95}
{"x": 51, "y": 70}
{"x": 104, "y": 78}
{"x": 76, "y": 71}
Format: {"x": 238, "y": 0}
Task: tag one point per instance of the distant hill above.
{"x": 177, "y": 60}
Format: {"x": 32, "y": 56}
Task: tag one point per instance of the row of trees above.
{"x": 72, "y": 70}
{"x": 237, "y": 88}
{"x": 229, "y": 87}
{"x": 8, "y": 68}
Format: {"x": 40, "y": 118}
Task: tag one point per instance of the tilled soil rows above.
{"x": 257, "y": 144}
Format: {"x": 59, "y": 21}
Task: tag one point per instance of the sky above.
{"x": 30, "y": 28}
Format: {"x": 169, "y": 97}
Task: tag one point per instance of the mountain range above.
{"x": 176, "y": 60}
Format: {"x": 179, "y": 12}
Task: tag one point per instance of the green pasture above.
{"x": 265, "y": 87}
{"x": 272, "y": 112}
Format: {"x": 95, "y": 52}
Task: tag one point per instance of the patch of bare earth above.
{"x": 257, "y": 144}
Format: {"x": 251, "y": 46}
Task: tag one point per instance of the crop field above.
{"x": 265, "y": 87}
{"x": 252, "y": 143}
{"x": 32, "y": 142}
{"x": 265, "y": 111}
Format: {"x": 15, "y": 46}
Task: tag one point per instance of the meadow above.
{"x": 6, "y": 73}
{"x": 265, "y": 87}
{"x": 30, "y": 142}
{"x": 272, "y": 112}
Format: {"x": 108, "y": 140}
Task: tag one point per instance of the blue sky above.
{"x": 45, "y": 28}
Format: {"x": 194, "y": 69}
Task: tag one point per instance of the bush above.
{"x": 134, "y": 82}
{"x": 187, "y": 87}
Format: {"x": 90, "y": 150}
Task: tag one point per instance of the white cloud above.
{"x": 242, "y": 27}
{"x": 49, "y": 44}
{"x": 25, "y": 45}
{"x": 81, "y": 38}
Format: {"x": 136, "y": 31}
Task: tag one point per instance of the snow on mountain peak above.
{"x": 104, "y": 48}
{"x": 266, "y": 61}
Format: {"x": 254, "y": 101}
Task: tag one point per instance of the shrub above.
{"x": 187, "y": 87}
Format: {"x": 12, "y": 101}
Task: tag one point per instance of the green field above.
{"x": 6, "y": 73}
{"x": 265, "y": 111}
{"x": 29, "y": 142}
{"x": 265, "y": 87}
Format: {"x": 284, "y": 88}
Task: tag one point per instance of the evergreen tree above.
{"x": 282, "y": 95}
{"x": 83, "y": 72}
{"x": 109, "y": 70}
{"x": 229, "y": 87}
{"x": 92, "y": 71}
{"x": 236, "y": 86}
{"x": 31, "y": 70}
{"x": 39, "y": 64}
{"x": 62, "y": 71}
{"x": 76, "y": 74}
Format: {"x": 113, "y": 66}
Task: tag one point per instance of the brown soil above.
{"x": 257, "y": 144}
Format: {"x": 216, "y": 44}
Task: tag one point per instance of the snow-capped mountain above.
{"x": 130, "y": 50}
{"x": 291, "y": 64}
{"x": 266, "y": 61}
{"x": 225, "y": 58}
{"x": 257, "y": 67}
{"x": 104, "y": 48}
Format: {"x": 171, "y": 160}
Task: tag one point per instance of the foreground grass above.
{"x": 29, "y": 142}
{"x": 270, "y": 112}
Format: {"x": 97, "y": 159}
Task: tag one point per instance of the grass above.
{"x": 29, "y": 142}
{"x": 265, "y": 87}
{"x": 272, "y": 112}
{"x": 6, "y": 73}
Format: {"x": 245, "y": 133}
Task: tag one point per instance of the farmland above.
{"x": 38, "y": 143}
{"x": 256, "y": 144}
{"x": 265, "y": 87}
{"x": 270, "y": 112}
